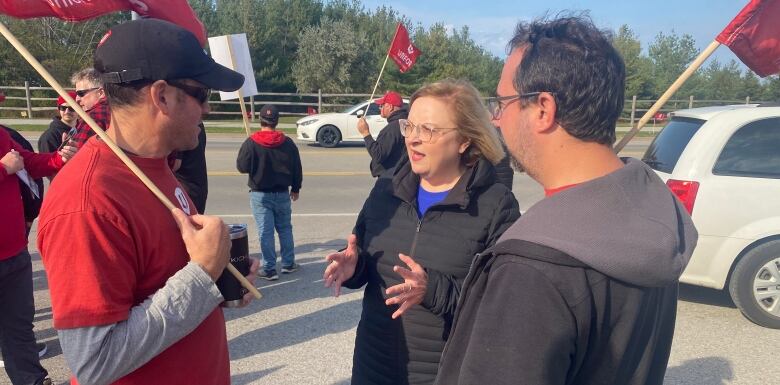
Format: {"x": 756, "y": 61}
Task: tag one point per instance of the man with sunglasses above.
{"x": 60, "y": 126}
{"x": 582, "y": 289}
{"x": 133, "y": 291}
{"x": 91, "y": 96}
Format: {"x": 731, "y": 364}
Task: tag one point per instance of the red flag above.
{"x": 175, "y": 11}
{"x": 754, "y": 36}
{"x": 402, "y": 51}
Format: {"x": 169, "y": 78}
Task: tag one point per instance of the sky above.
{"x": 491, "y": 22}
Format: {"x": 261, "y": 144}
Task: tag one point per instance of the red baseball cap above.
{"x": 391, "y": 97}
{"x": 61, "y": 100}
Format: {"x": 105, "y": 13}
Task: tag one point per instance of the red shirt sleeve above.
{"x": 90, "y": 268}
{"x": 39, "y": 165}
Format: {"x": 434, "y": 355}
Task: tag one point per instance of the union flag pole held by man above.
{"x": 175, "y": 11}
{"x": 753, "y": 35}
{"x": 402, "y": 51}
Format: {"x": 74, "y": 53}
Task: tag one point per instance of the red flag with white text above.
{"x": 754, "y": 36}
{"x": 402, "y": 51}
{"x": 178, "y": 12}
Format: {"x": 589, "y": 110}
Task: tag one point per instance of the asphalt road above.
{"x": 299, "y": 334}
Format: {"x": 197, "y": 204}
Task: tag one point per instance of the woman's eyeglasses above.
{"x": 497, "y": 105}
{"x": 66, "y": 108}
{"x": 201, "y": 94}
{"x": 425, "y": 131}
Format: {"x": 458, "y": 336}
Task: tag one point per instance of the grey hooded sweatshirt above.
{"x": 582, "y": 289}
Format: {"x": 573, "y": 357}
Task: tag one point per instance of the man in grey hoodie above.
{"x": 582, "y": 289}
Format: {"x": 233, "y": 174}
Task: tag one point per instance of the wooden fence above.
{"x": 39, "y": 102}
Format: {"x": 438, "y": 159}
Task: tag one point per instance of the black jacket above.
{"x": 193, "y": 174}
{"x": 51, "y": 139}
{"x": 388, "y": 147}
{"x": 471, "y": 218}
{"x": 581, "y": 290}
{"x": 271, "y": 169}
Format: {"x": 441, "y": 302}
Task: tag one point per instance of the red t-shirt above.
{"x": 12, "y": 230}
{"x": 108, "y": 243}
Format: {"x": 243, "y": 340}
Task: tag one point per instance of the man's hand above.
{"x": 412, "y": 291}
{"x": 362, "y": 127}
{"x": 294, "y": 196}
{"x": 207, "y": 239}
{"x": 251, "y": 277}
{"x": 342, "y": 265}
{"x": 68, "y": 150}
{"x": 12, "y": 162}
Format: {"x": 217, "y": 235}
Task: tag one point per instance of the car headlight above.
{"x": 307, "y": 122}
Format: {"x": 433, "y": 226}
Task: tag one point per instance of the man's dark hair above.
{"x": 571, "y": 58}
{"x": 124, "y": 94}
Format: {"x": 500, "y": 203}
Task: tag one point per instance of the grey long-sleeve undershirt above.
{"x": 102, "y": 354}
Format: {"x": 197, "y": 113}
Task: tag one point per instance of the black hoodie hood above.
{"x": 626, "y": 224}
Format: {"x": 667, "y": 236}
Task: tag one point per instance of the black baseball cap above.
{"x": 154, "y": 49}
{"x": 269, "y": 114}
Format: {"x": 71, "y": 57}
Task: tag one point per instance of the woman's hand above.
{"x": 412, "y": 291}
{"x": 342, "y": 265}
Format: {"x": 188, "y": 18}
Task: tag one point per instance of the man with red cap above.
{"x": 388, "y": 147}
{"x": 62, "y": 123}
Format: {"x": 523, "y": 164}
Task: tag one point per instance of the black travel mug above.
{"x": 227, "y": 284}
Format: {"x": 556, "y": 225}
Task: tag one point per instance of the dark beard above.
{"x": 516, "y": 165}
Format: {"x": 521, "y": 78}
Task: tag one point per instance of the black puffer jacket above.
{"x": 471, "y": 218}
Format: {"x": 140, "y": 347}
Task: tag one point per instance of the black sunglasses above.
{"x": 201, "y": 94}
{"x": 82, "y": 93}
{"x": 64, "y": 108}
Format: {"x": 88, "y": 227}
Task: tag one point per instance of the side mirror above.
{"x": 360, "y": 113}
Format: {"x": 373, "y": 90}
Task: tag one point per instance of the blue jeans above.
{"x": 273, "y": 210}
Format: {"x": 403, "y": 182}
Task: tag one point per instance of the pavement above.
{"x": 299, "y": 334}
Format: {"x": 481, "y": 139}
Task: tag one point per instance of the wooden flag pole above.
{"x": 102, "y": 134}
{"x": 668, "y": 94}
{"x": 240, "y": 94}
{"x": 373, "y": 92}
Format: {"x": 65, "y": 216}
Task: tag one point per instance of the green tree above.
{"x": 670, "y": 55}
{"x": 751, "y": 86}
{"x": 722, "y": 82}
{"x": 771, "y": 89}
{"x": 331, "y": 57}
{"x": 638, "y": 67}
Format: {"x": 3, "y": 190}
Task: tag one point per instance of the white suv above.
{"x": 332, "y": 128}
{"x": 724, "y": 165}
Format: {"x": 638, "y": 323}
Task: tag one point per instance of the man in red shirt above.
{"x": 17, "y": 341}
{"x": 133, "y": 293}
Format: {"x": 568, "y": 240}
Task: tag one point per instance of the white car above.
{"x": 330, "y": 129}
{"x": 724, "y": 165}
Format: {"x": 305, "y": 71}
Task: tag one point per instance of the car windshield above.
{"x": 665, "y": 151}
{"x": 350, "y": 108}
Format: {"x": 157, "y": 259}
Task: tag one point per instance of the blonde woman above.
{"x": 418, "y": 232}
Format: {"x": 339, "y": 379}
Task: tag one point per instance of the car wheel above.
{"x": 755, "y": 285}
{"x": 328, "y": 136}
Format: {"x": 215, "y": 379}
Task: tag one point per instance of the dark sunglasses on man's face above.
{"x": 82, "y": 93}
{"x": 66, "y": 108}
{"x": 201, "y": 94}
